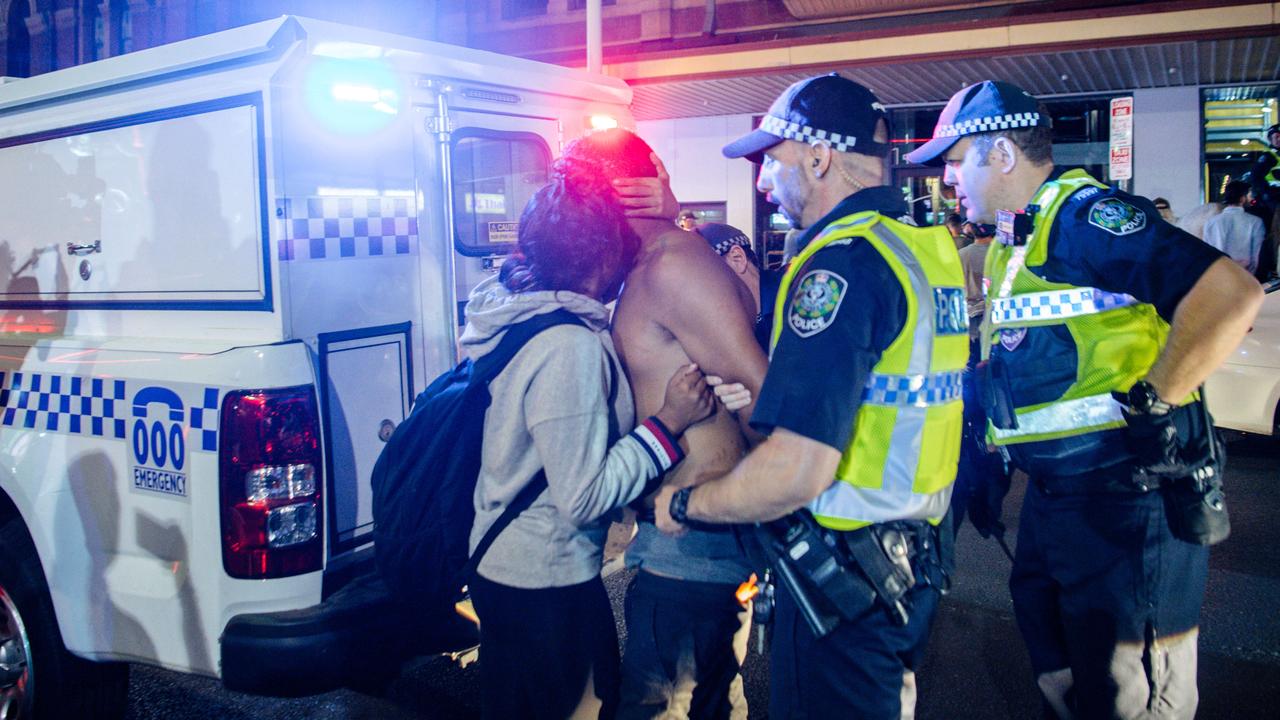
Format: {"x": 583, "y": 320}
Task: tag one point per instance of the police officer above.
{"x": 1091, "y": 293}
{"x": 733, "y": 246}
{"x": 1264, "y": 177}
{"x": 861, "y": 400}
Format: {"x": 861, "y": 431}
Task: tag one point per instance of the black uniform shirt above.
{"x": 770, "y": 280}
{"x": 851, "y": 308}
{"x": 1118, "y": 242}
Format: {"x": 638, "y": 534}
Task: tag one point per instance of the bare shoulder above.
{"x": 680, "y": 259}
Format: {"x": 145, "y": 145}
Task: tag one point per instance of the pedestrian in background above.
{"x": 1193, "y": 222}
{"x": 1165, "y": 210}
{"x": 955, "y": 225}
{"x": 1238, "y": 234}
{"x": 973, "y": 259}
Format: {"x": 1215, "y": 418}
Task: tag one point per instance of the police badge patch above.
{"x": 815, "y": 302}
{"x": 1011, "y": 339}
{"x": 1117, "y": 216}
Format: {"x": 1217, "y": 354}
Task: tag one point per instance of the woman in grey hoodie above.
{"x": 550, "y": 647}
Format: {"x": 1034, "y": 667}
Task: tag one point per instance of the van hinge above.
{"x": 441, "y": 126}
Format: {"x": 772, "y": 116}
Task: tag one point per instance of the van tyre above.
{"x": 39, "y": 679}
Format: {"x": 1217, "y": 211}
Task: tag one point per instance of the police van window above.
{"x": 494, "y": 175}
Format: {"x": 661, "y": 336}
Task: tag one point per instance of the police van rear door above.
{"x": 497, "y": 160}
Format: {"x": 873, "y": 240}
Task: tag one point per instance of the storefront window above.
{"x": 1234, "y": 120}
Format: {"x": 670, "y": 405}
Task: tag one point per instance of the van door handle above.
{"x": 385, "y": 428}
{"x": 74, "y": 249}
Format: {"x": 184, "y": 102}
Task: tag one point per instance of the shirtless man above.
{"x": 681, "y": 304}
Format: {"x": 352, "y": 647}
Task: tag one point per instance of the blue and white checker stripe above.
{"x": 1056, "y": 305}
{"x": 913, "y": 390}
{"x": 204, "y": 420}
{"x": 987, "y": 124}
{"x": 63, "y": 403}
{"x": 327, "y": 228}
{"x": 805, "y": 134}
{"x": 94, "y": 406}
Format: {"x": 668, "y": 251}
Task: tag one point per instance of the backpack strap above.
{"x": 522, "y": 501}
{"x": 487, "y": 368}
{"x": 484, "y": 371}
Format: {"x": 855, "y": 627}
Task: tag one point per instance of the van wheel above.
{"x": 39, "y": 679}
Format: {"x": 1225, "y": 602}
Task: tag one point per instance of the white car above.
{"x": 1244, "y": 394}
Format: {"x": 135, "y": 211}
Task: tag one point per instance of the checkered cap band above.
{"x": 725, "y": 246}
{"x": 987, "y": 124}
{"x": 803, "y": 133}
{"x": 913, "y": 390}
{"x": 1056, "y": 304}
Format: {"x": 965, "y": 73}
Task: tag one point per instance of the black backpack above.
{"x": 425, "y": 479}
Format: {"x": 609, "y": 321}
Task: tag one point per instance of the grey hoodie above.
{"x": 550, "y": 411}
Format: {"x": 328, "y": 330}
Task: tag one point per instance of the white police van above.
{"x": 227, "y": 265}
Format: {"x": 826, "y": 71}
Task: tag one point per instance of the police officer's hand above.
{"x": 986, "y": 499}
{"x": 649, "y": 197}
{"x": 688, "y": 399}
{"x": 662, "y": 512}
{"x": 734, "y": 396}
{"x": 1153, "y": 440}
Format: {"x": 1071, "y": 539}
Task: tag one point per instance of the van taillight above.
{"x": 270, "y": 483}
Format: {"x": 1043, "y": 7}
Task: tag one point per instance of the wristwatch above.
{"x": 679, "y": 506}
{"x": 1144, "y": 400}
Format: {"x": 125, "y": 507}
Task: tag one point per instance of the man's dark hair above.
{"x": 1160, "y": 203}
{"x": 573, "y": 229}
{"x": 1036, "y": 143}
{"x": 620, "y": 153}
{"x": 954, "y": 221}
{"x": 1235, "y": 191}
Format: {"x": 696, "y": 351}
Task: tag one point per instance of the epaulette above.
{"x": 1085, "y": 193}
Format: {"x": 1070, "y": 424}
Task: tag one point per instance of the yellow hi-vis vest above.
{"x": 1116, "y": 337}
{"x": 901, "y": 460}
{"x": 1273, "y": 175}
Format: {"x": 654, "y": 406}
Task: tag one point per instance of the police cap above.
{"x": 722, "y": 238}
{"x": 826, "y": 108}
{"x": 984, "y": 107}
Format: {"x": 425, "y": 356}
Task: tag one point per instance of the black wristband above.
{"x": 679, "y": 507}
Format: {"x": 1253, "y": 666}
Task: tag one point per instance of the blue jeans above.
{"x": 680, "y": 656}
{"x": 1101, "y": 588}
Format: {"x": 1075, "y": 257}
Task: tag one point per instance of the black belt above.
{"x": 921, "y": 535}
{"x": 1093, "y": 484}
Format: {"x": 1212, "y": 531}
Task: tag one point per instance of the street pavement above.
{"x": 976, "y": 667}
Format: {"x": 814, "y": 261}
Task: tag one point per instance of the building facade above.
{"x": 1203, "y": 73}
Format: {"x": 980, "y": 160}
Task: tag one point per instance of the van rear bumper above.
{"x": 357, "y": 634}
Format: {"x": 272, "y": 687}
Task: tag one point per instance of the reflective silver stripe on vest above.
{"x": 913, "y": 390}
{"x": 1056, "y": 304}
{"x": 894, "y": 499}
{"x": 1066, "y": 415}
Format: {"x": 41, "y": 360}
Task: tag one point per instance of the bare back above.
{"x": 682, "y": 304}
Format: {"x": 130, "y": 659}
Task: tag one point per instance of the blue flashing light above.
{"x": 352, "y": 97}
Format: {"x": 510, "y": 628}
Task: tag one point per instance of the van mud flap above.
{"x": 358, "y": 633}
